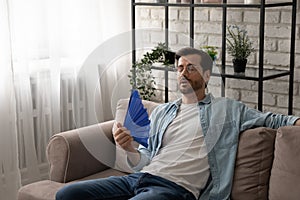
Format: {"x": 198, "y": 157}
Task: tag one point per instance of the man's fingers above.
{"x": 120, "y": 130}
{"x": 122, "y": 137}
{"x": 127, "y": 144}
{"x": 125, "y": 141}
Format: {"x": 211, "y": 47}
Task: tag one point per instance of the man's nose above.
{"x": 184, "y": 72}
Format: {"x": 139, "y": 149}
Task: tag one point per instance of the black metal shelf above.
{"x": 249, "y": 75}
{"x": 260, "y": 76}
{"x": 254, "y": 76}
{"x": 228, "y": 5}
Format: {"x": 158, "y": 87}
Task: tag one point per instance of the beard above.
{"x": 187, "y": 86}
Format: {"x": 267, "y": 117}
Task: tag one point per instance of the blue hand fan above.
{"x": 137, "y": 120}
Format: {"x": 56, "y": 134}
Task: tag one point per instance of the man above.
{"x": 192, "y": 144}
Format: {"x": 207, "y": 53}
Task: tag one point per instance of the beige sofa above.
{"x": 267, "y": 164}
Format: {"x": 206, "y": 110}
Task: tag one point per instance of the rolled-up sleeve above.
{"x": 144, "y": 160}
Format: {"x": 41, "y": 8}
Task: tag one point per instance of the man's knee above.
{"x": 59, "y": 195}
{"x": 68, "y": 192}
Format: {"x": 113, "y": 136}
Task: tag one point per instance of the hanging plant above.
{"x": 141, "y": 77}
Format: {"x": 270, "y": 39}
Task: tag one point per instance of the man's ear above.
{"x": 206, "y": 76}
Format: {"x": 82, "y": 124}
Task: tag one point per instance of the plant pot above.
{"x": 170, "y": 57}
{"x": 239, "y": 66}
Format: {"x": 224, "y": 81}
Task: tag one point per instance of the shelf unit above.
{"x": 224, "y": 74}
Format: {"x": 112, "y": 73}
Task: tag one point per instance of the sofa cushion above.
{"x": 104, "y": 174}
{"x": 121, "y": 158}
{"x": 41, "y": 190}
{"x": 46, "y": 189}
{"x": 253, "y": 164}
{"x": 285, "y": 174}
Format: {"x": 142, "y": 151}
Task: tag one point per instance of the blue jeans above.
{"x": 135, "y": 186}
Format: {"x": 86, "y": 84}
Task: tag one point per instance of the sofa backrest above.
{"x": 122, "y": 106}
{"x": 253, "y": 164}
{"x": 267, "y": 164}
{"x": 285, "y": 173}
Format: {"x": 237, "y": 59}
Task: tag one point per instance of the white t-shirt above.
{"x": 183, "y": 155}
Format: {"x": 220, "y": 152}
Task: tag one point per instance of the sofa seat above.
{"x": 42, "y": 190}
{"x": 46, "y": 189}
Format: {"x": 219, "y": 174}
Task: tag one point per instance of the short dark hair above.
{"x": 206, "y": 61}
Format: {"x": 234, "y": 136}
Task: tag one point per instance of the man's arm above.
{"x": 297, "y": 122}
{"x": 124, "y": 139}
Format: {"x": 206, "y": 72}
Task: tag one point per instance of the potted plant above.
{"x": 141, "y": 77}
{"x": 239, "y": 47}
{"x": 212, "y": 51}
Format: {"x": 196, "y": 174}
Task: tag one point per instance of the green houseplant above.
{"x": 141, "y": 77}
{"x": 212, "y": 51}
{"x": 239, "y": 47}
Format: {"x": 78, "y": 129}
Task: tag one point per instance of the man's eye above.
{"x": 180, "y": 69}
{"x": 191, "y": 68}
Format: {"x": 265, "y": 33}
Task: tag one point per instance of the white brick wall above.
{"x": 251, "y": 16}
{"x": 201, "y": 14}
{"x": 276, "y": 30}
{"x": 234, "y": 16}
{"x": 276, "y": 58}
{"x": 215, "y": 15}
{"x": 297, "y": 74}
{"x": 207, "y": 27}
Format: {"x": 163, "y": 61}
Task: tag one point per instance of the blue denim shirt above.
{"x": 222, "y": 120}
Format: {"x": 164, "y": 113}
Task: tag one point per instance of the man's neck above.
{"x": 192, "y": 97}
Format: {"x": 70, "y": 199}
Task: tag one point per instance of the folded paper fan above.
{"x": 137, "y": 120}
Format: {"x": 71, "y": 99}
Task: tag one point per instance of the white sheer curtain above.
{"x": 43, "y": 46}
{"x": 9, "y": 171}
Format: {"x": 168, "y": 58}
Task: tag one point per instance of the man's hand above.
{"x": 123, "y": 138}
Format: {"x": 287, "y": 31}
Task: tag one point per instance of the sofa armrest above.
{"x": 81, "y": 152}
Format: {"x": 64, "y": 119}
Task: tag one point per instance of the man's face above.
{"x": 190, "y": 74}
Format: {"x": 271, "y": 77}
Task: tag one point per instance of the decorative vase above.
{"x": 239, "y": 66}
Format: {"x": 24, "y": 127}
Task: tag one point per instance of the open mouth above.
{"x": 184, "y": 81}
